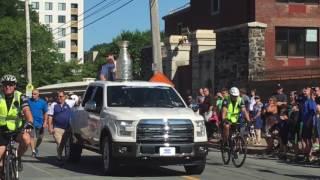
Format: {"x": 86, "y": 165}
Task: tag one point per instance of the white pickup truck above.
{"x": 133, "y": 122}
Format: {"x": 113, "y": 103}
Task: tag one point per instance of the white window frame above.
{"x": 35, "y": 5}
{"x": 61, "y": 6}
{"x": 61, "y": 44}
{"x": 49, "y": 20}
{"x": 62, "y": 32}
{"x": 60, "y": 16}
{"x": 212, "y": 8}
{"x": 48, "y": 6}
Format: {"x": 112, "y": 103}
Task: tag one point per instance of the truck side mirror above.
{"x": 90, "y": 106}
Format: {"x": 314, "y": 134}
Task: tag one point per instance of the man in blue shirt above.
{"x": 107, "y": 72}
{"x": 307, "y": 112}
{"x": 59, "y": 117}
{"x": 39, "y": 110}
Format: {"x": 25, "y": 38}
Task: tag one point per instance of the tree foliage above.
{"x": 137, "y": 41}
{"x": 13, "y": 55}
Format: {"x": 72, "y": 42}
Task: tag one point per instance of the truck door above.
{"x": 94, "y": 122}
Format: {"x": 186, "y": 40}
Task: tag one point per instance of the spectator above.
{"x": 256, "y": 114}
{"x": 245, "y": 98}
{"x": 108, "y": 70}
{"x": 59, "y": 123}
{"x": 72, "y": 100}
{"x": 271, "y": 114}
{"x": 308, "y": 110}
{"x": 282, "y": 98}
{"x": 200, "y": 97}
{"x": 206, "y": 110}
{"x": 39, "y": 110}
{"x": 252, "y": 101}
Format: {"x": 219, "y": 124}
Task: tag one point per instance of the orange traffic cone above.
{"x": 160, "y": 77}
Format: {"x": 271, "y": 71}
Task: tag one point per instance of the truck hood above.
{"x": 152, "y": 113}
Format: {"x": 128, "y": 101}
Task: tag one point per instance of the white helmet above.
{"x": 8, "y": 78}
{"x": 234, "y": 91}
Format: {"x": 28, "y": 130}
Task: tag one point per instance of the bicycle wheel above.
{"x": 238, "y": 151}
{"x": 225, "y": 152}
{"x": 10, "y": 168}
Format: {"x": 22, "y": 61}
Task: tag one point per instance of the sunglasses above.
{"x": 8, "y": 84}
{"x": 60, "y": 96}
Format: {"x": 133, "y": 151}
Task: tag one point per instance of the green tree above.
{"x": 45, "y": 57}
{"x": 137, "y": 41}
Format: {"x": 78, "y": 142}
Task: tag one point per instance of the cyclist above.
{"x": 13, "y": 105}
{"x": 232, "y": 106}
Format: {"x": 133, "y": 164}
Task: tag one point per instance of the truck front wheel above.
{"x": 194, "y": 169}
{"x": 109, "y": 165}
{"x": 72, "y": 150}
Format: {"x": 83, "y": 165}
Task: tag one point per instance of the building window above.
{"x": 301, "y": 42}
{"x": 61, "y": 6}
{"x": 48, "y": 19}
{"x": 61, "y": 44}
{"x": 74, "y": 55}
{"x": 74, "y": 18}
{"x": 48, "y": 5}
{"x": 215, "y": 7}
{"x": 35, "y": 5}
{"x": 300, "y": 1}
{"x": 74, "y": 43}
{"x": 61, "y": 32}
{"x": 74, "y": 5}
{"x": 74, "y": 30}
{"x": 61, "y": 19}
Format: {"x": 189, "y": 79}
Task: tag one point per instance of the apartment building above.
{"x": 65, "y": 21}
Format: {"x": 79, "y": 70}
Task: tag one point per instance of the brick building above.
{"x": 257, "y": 41}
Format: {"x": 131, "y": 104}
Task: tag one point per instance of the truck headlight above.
{"x": 125, "y": 128}
{"x": 200, "y": 128}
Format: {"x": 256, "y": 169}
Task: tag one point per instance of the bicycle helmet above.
{"x": 234, "y": 91}
{"x": 8, "y": 78}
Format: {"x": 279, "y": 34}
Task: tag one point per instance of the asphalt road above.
{"x": 256, "y": 167}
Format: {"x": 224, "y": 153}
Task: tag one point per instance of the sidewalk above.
{"x": 251, "y": 149}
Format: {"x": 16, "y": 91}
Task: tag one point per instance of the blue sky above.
{"x": 134, "y": 16}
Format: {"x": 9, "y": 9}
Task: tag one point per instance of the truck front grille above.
{"x": 165, "y": 131}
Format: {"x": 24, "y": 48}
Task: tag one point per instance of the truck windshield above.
{"x": 130, "y": 96}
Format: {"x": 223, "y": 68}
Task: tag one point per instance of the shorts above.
{"x": 3, "y": 140}
{"x": 258, "y": 123}
{"x": 37, "y": 132}
{"x": 307, "y": 129}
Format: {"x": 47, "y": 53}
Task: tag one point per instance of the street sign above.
{"x": 29, "y": 89}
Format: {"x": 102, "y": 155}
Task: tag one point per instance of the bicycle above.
{"x": 11, "y": 154}
{"x": 235, "y": 147}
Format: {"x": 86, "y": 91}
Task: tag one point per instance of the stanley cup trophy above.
{"x": 124, "y": 63}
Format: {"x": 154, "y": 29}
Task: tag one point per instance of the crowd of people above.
{"x": 297, "y": 117}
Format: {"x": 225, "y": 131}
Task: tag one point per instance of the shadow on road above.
{"x": 290, "y": 175}
{"x": 92, "y": 165}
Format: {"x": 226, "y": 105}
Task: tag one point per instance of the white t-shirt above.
{"x": 70, "y": 102}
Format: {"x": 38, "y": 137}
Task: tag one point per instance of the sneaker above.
{"x": 20, "y": 166}
{"x": 34, "y": 154}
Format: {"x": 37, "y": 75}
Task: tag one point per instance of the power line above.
{"x": 86, "y": 11}
{"x": 93, "y": 13}
{"x": 100, "y": 18}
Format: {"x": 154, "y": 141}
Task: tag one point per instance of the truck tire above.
{"x": 194, "y": 169}
{"x": 109, "y": 164}
{"x": 72, "y": 150}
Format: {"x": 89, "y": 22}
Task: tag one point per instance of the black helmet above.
{"x": 8, "y": 78}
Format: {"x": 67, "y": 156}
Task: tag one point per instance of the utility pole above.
{"x": 156, "y": 47}
{"x": 28, "y": 42}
